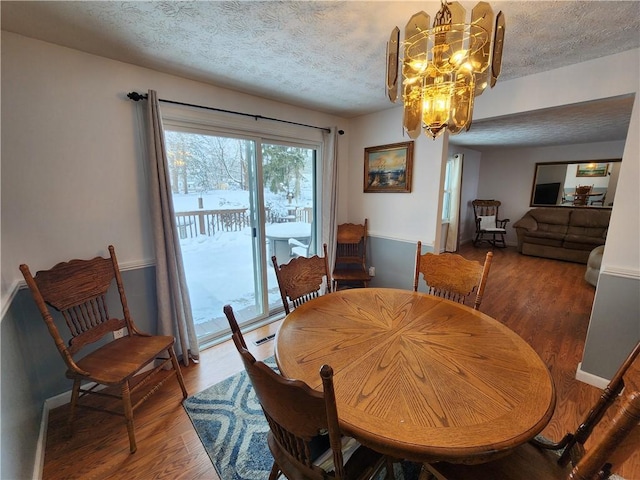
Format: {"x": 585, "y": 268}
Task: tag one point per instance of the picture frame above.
{"x": 388, "y": 168}
{"x": 592, "y": 170}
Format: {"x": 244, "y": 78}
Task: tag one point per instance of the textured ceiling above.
{"x": 327, "y": 56}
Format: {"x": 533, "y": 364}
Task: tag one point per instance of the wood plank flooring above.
{"x": 547, "y": 302}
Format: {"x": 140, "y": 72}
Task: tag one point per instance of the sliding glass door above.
{"x": 238, "y": 201}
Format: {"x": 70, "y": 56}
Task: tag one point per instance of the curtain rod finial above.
{"x": 135, "y": 96}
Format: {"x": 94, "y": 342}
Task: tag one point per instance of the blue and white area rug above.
{"x": 233, "y": 430}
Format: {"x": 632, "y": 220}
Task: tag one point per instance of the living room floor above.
{"x": 546, "y": 301}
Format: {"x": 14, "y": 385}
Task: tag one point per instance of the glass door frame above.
{"x": 257, "y": 205}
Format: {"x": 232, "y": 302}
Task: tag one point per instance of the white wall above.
{"x": 72, "y": 166}
{"x": 402, "y": 216}
{"x": 622, "y": 252}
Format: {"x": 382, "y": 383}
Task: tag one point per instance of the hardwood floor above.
{"x": 547, "y": 302}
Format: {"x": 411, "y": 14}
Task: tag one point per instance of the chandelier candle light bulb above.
{"x": 445, "y": 67}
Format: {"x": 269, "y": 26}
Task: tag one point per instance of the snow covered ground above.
{"x": 219, "y": 269}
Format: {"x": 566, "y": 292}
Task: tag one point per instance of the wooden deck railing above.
{"x": 207, "y": 222}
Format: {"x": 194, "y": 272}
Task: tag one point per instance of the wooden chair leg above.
{"x": 75, "y": 394}
{"x": 275, "y": 472}
{"x": 128, "y": 415}
{"x": 391, "y": 475}
{"x": 427, "y": 474}
{"x": 176, "y": 367}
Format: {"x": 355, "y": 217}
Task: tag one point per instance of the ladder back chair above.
{"x": 574, "y": 442}
{"x": 452, "y": 276}
{"x": 611, "y": 444}
{"x": 581, "y": 195}
{"x": 304, "y": 435}
{"x": 302, "y": 279}
{"x": 78, "y": 290}
{"x": 489, "y": 227}
{"x": 614, "y": 445}
{"x": 351, "y": 255}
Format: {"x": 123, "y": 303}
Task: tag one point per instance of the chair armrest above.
{"x": 502, "y": 223}
{"x": 526, "y": 223}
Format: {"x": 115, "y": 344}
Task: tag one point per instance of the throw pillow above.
{"x": 487, "y": 222}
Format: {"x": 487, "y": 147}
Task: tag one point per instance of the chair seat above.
{"x": 494, "y": 229}
{"x": 351, "y": 274}
{"x": 525, "y": 462}
{"x": 122, "y": 358}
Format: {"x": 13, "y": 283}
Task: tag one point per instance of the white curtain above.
{"x": 174, "y": 307}
{"x": 330, "y": 193}
{"x": 451, "y": 244}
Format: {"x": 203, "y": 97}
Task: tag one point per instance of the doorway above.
{"x": 238, "y": 201}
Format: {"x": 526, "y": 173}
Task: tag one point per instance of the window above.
{"x": 447, "y": 192}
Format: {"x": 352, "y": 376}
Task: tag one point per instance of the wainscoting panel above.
{"x": 614, "y": 327}
{"x": 394, "y": 261}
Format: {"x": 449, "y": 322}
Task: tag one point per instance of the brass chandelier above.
{"x": 445, "y": 67}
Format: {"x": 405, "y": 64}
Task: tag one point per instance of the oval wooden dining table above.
{"x": 419, "y": 377}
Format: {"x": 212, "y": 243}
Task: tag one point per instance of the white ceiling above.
{"x": 330, "y": 56}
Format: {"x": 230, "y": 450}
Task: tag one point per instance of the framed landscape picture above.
{"x": 592, "y": 170}
{"x": 388, "y": 168}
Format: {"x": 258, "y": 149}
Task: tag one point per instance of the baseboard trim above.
{"x": 49, "y": 404}
{"x": 38, "y": 466}
{"x": 590, "y": 378}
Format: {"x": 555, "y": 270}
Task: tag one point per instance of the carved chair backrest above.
{"x": 575, "y": 442}
{"x": 302, "y": 279}
{"x": 452, "y": 276}
{"x": 296, "y": 414}
{"x": 351, "y": 244}
{"x": 78, "y": 290}
{"x": 581, "y": 195}
{"x": 486, "y": 208}
{"x": 614, "y": 444}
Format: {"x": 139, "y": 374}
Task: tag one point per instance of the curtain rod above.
{"x": 135, "y": 96}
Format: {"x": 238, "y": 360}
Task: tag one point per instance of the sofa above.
{"x": 562, "y": 233}
{"x": 593, "y": 265}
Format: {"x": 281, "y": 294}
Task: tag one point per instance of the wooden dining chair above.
{"x": 575, "y": 440}
{"x": 302, "y": 279}
{"x": 614, "y": 445}
{"x": 350, "y": 267}
{"x": 568, "y": 458}
{"x": 78, "y": 290}
{"x": 451, "y": 276}
{"x": 233, "y": 323}
{"x": 599, "y": 199}
{"x": 304, "y": 435}
{"x": 581, "y": 195}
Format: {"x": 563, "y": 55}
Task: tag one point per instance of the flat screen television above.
{"x": 546, "y": 193}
